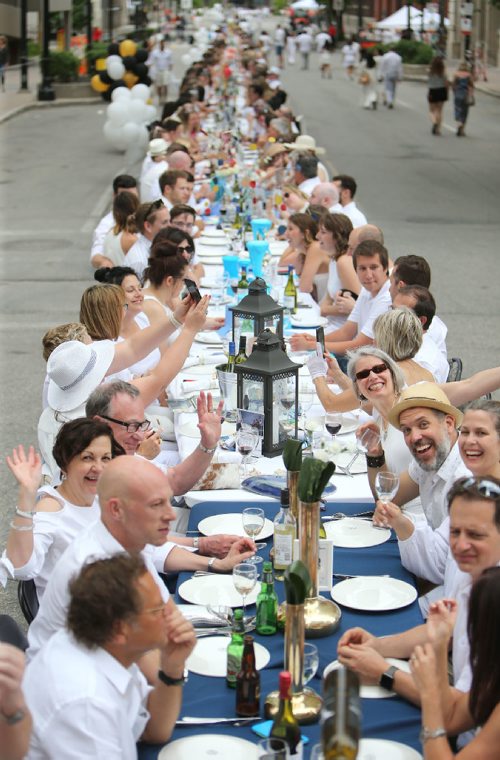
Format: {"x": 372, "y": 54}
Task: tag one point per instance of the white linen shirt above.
{"x": 95, "y": 543}
{"x": 367, "y": 308}
{"x": 356, "y": 216}
{"x": 94, "y": 706}
{"x": 100, "y": 232}
{"x": 434, "y": 486}
{"x": 438, "y": 332}
{"x": 430, "y": 357}
{"x": 138, "y": 256}
{"x": 150, "y": 185}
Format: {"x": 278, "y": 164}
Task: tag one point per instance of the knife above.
{"x": 189, "y": 721}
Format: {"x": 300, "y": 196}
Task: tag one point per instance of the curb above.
{"x": 49, "y": 104}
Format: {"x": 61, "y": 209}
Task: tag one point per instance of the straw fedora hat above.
{"x": 304, "y": 143}
{"x": 425, "y": 394}
{"x": 75, "y": 369}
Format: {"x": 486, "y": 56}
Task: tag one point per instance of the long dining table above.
{"x": 382, "y": 718}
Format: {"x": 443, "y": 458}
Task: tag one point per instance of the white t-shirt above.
{"x": 368, "y": 308}
{"x": 305, "y": 42}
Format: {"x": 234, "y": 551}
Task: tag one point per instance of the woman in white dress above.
{"x": 120, "y": 239}
{"x": 343, "y": 284}
{"x": 306, "y": 256}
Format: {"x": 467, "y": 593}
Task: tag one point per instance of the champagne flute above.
{"x": 311, "y": 662}
{"x": 244, "y": 580}
{"x": 368, "y": 439}
{"x": 333, "y": 423}
{"x": 246, "y": 441}
{"x": 386, "y": 485}
{"x": 253, "y": 522}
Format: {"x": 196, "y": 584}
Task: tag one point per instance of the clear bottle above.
{"x": 266, "y": 622}
{"x": 241, "y": 356}
{"x": 285, "y": 725}
{"x": 231, "y": 357}
{"x": 341, "y": 715}
{"x": 235, "y": 649}
{"x": 242, "y": 290}
{"x": 285, "y": 533}
{"x": 290, "y": 293}
{"x": 248, "y": 683}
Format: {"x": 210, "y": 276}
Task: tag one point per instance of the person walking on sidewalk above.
{"x": 305, "y": 43}
{"x": 463, "y": 96}
{"x": 391, "y": 69}
{"x": 437, "y": 93}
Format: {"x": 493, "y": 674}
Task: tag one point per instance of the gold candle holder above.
{"x": 306, "y": 704}
{"x": 292, "y": 482}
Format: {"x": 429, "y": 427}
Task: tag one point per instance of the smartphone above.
{"x": 192, "y": 289}
{"x": 320, "y": 338}
{"x": 349, "y": 293}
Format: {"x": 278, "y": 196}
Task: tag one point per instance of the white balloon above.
{"x": 186, "y": 59}
{"x": 116, "y": 70}
{"x": 151, "y": 112}
{"x": 120, "y": 93}
{"x": 137, "y": 112}
{"x": 118, "y": 112}
{"x": 195, "y": 53}
{"x": 140, "y": 92}
{"x": 114, "y": 135}
{"x": 110, "y": 60}
{"x": 130, "y": 132}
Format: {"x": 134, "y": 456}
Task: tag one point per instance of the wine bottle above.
{"x": 242, "y": 290}
{"x": 285, "y": 532}
{"x": 241, "y": 356}
{"x": 322, "y": 531}
{"x": 341, "y": 715}
{"x": 231, "y": 358}
{"x": 235, "y": 649}
{"x": 266, "y": 622}
{"x": 248, "y": 683}
{"x": 290, "y": 293}
{"x": 285, "y": 725}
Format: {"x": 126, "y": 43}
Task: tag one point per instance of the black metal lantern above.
{"x": 256, "y": 312}
{"x": 268, "y": 383}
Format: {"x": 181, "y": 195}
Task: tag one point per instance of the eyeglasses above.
{"x": 286, "y": 195}
{"x": 185, "y": 249}
{"x": 377, "y": 370}
{"x": 132, "y": 427}
{"x": 484, "y": 487}
{"x": 154, "y": 207}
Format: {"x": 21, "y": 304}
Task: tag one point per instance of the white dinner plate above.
{"x": 209, "y": 338}
{"x": 209, "y": 746}
{"x": 209, "y": 242}
{"x": 209, "y": 657}
{"x": 213, "y": 232}
{"x": 374, "y": 691}
{"x": 191, "y": 430}
{"x": 373, "y": 593}
{"x": 355, "y": 533}
{"x": 231, "y": 523}
{"x": 383, "y": 749}
{"x": 215, "y": 590}
{"x": 308, "y": 321}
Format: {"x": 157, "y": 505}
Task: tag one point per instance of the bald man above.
{"x": 135, "y": 517}
{"x": 326, "y": 194}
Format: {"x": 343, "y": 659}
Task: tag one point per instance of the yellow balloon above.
{"x": 100, "y": 64}
{"x": 127, "y": 47}
{"x": 97, "y": 85}
{"x": 130, "y": 79}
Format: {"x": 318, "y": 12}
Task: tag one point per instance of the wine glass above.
{"x": 246, "y": 441}
{"x": 368, "y": 439}
{"x": 311, "y": 662}
{"x": 244, "y": 579}
{"x": 386, "y": 485}
{"x": 272, "y": 749}
{"x": 307, "y": 396}
{"x": 333, "y": 423}
{"x": 287, "y": 395}
{"x": 317, "y": 752}
{"x": 253, "y": 522}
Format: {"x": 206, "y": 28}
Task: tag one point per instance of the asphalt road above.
{"x": 437, "y": 197}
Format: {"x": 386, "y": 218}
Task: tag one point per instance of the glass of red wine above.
{"x": 333, "y": 423}
{"x": 246, "y": 441}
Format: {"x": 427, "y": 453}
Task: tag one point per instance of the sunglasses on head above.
{"x": 154, "y": 207}
{"x": 377, "y": 369}
{"x": 485, "y": 487}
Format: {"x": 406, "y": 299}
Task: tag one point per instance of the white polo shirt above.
{"x": 368, "y": 308}
{"x": 84, "y": 703}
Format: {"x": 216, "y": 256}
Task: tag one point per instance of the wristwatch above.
{"x": 168, "y": 681}
{"x": 16, "y": 717}
{"x": 426, "y": 734}
{"x": 387, "y": 678}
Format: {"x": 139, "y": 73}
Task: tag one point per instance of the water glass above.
{"x": 272, "y": 749}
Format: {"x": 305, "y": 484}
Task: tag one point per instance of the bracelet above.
{"x": 174, "y": 322}
{"x": 427, "y": 733}
{"x": 169, "y": 681}
{"x": 205, "y": 450}
{"x": 196, "y": 542}
{"x": 26, "y": 515}
{"x": 20, "y": 528}
{"x": 375, "y": 462}
{"x": 210, "y": 563}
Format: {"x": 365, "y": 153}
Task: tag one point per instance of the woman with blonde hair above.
{"x": 399, "y": 333}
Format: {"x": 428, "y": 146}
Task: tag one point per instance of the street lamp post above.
{"x": 89, "y": 29}
{"x": 24, "y": 46}
{"x": 45, "y": 90}
{"x": 360, "y": 15}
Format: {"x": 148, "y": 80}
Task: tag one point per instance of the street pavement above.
{"x": 437, "y": 197}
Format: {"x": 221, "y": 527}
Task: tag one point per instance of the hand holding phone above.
{"x": 320, "y": 338}
{"x": 192, "y": 289}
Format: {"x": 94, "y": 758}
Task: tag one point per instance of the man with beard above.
{"x": 429, "y": 425}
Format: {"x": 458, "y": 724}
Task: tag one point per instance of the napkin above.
{"x": 201, "y": 384}
{"x": 205, "y": 358}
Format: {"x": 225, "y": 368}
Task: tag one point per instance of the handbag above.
{"x": 471, "y": 100}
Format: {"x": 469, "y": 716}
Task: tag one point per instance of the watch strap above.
{"x": 169, "y": 681}
{"x": 387, "y": 678}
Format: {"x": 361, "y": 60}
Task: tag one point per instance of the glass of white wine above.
{"x": 386, "y": 485}
{"x": 253, "y": 521}
{"x": 244, "y": 579}
{"x": 311, "y": 662}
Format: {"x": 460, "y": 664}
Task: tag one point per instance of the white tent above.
{"x": 431, "y": 21}
{"x": 305, "y": 5}
{"x": 399, "y": 20}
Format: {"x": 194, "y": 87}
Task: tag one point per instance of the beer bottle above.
{"x": 235, "y": 649}
{"x": 248, "y": 683}
{"x": 267, "y": 603}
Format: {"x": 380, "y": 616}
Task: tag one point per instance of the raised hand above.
{"x": 197, "y": 315}
{"x": 209, "y": 419}
{"x": 441, "y": 621}
{"x": 26, "y": 468}
{"x": 181, "y": 639}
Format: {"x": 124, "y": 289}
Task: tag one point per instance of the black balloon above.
{"x": 141, "y": 55}
{"x": 105, "y": 78}
{"x": 146, "y": 80}
{"x": 141, "y": 70}
{"x": 114, "y": 49}
{"x": 130, "y": 63}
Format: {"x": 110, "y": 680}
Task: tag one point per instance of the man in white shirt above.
{"x": 86, "y": 691}
{"x": 160, "y": 63}
{"x": 305, "y": 44}
{"x": 149, "y": 181}
{"x": 421, "y": 301}
{"x": 150, "y": 220}
{"x": 391, "y": 69}
{"x": 279, "y": 44}
{"x": 176, "y": 187}
{"x": 347, "y": 187}
{"x": 471, "y": 544}
{"x": 370, "y": 261}
{"x": 123, "y": 182}
{"x": 306, "y": 172}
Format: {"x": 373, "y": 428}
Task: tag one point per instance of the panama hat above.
{"x": 304, "y": 143}
{"x": 75, "y": 370}
{"x": 428, "y": 395}
{"x": 158, "y": 147}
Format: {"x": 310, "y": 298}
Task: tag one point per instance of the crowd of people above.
{"x": 99, "y": 513}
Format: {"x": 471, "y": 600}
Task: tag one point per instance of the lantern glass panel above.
{"x": 253, "y": 395}
{"x": 243, "y": 325}
{"x": 284, "y": 405}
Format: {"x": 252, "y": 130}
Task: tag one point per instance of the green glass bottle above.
{"x": 266, "y": 622}
{"x": 241, "y": 356}
{"x": 285, "y": 532}
{"x": 285, "y": 725}
{"x": 290, "y": 293}
{"x": 242, "y": 290}
{"x": 235, "y": 649}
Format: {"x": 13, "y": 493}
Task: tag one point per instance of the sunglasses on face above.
{"x": 377, "y": 369}
{"x": 185, "y": 249}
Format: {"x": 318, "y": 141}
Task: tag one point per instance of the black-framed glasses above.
{"x": 377, "y": 369}
{"x": 484, "y": 486}
{"x": 154, "y": 207}
{"x": 132, "y": 427}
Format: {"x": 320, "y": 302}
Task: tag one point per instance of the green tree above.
{"x": 79, "y": 15}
